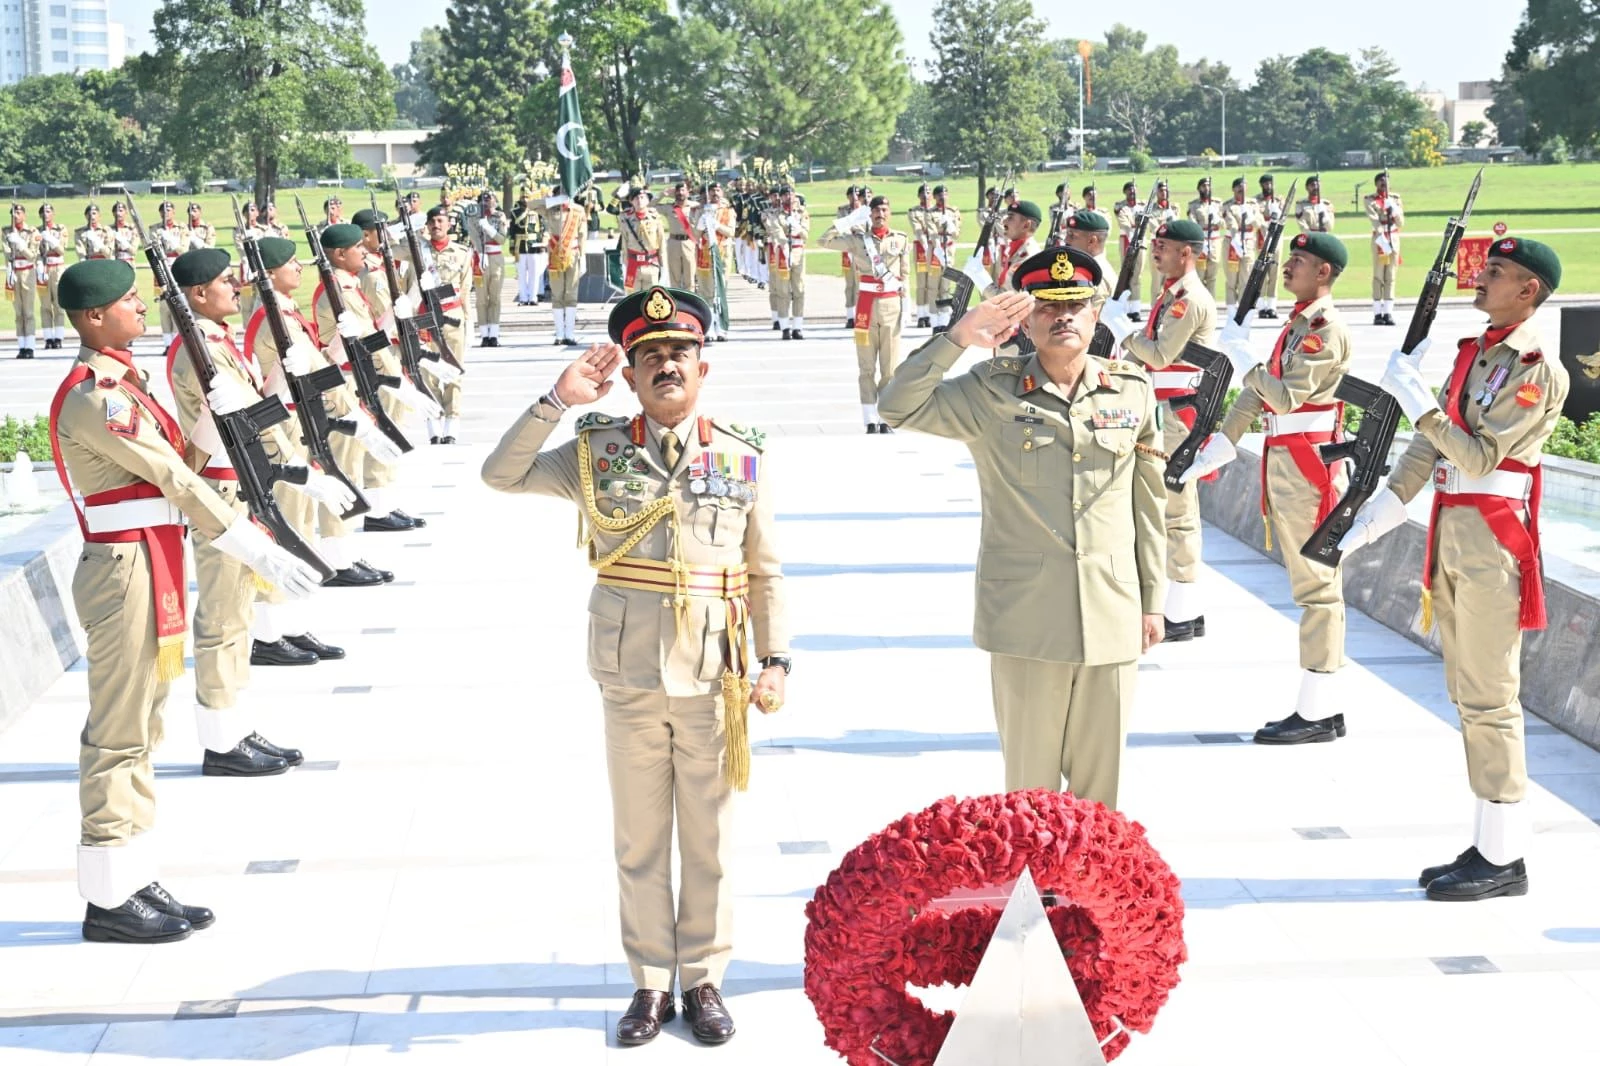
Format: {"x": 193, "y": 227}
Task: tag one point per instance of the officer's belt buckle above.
{"x": 1446, "y": 478}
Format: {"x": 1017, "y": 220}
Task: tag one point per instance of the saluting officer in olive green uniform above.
{"x": 1293, "y": 392}
{"x": 1183, "y": 311}
{"x": 1479, "y": 441}
{"x": 678, "y": 514}
{"x": 1070, "y": 569}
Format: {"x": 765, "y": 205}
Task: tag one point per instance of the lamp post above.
{"x": 1223, "y": 94}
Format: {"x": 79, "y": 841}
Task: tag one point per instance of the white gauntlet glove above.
{"x": 418, "y": 401}
{"x": 1235, "y": 344}
{"x": 1403, "y": 380}
{"x": 404, "y": 306}
{"x": 1218, "y": 451}
{"x": 297, "y": 360}
{"x": 244, "y": 542}
{"x": 443, "y": 370}
{"x": 349, "y": 325}
{"x": 1377, "y": 516}
{"x": 373, "y": 439}
{"x": 1114, "y": 316}
{"x": 325, "y": 490}
{"x": 430, "y": 279}
{"x": 228, "y": 396}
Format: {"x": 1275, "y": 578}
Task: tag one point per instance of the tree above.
{"x": 255, "y": 80}
{"x": 415, "y": 105}
{"x": 1133, "y": 87}
{"x": 1422, "y": 148}
{"x": 993, "y": 101}
{"x": 1509, "y": 113}
{"x": 1554, "y": 66}
{"x": 914, "y": 128}
{"x": 481, "y": 81}
{"x": 616, "y": 69}
{"x": 1473, "y": 133}
{"x": 136, "y": 92}
{"x": 81, "y": 135}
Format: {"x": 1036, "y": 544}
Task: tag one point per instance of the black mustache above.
{"x": 664, "y": 376}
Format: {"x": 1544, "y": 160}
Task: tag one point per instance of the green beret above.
{"x": 201, "y": 266}
{"x": 1238, "y": 183}
{"x": 1265, "y": 178}
{"x": 275, "y": 251}
{"x": 1538, "y": 258}
{"x": 367, "y": 218}
{"x": 1325, "y": 246}
{"x": 1181, "y": 230}
{"x": 1028, "y": 209}
{"x": 341, "y": 235}
{"x": 94, "y": 283}
{"x": 440, "y": 209}
{"x": 1088, "y": 221}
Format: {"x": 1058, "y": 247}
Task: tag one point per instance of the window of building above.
{"x": 58, "y": 11}
{"x": 97, "y": 16}
{"x": 58, "y": 57}
{"x": 58, "y": 34}
{"x": 88, "y": 37}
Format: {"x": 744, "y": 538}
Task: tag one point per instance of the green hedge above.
{"x": 19, "y": 436}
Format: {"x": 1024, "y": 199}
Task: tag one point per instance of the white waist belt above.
{"x": 132, "y": 514}
{"x": 1173, "y": 379}
{"x": 491, "y": 249}
{"x": 1448, "y": 478}
{"x": 866, "y": 283}
{"x": 1301, "y": 422}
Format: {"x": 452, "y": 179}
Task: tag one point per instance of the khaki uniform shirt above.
{"x": 1242, "y": 221}
{"x": 652, "y": 233}
{"x": 173, "y": 240}
{"x": 894, "y": 252}
{"x": 202, "y": 236}
{"x": 1006, "y": 262}
{"x": 260, "y": 343}
{"x": 1127, "y": 222}
{"x": 1387, "y": 217}
{"x": 1073, "y": 547}
{"x": 945, "y": 225}
{"x": 194, "y": 414}
{"x": 1207, "y": 214}
{"x": 124, "y": 243}
{"x": 375, "y": 282}
{"x": 53, "y": 244}
{"x": 636, "y": 639}
{"x": 22, "y": 249}
{"x": 676, "y": 230}
{"x": 1185, "y": 311}
{"x": 1316, "y": 357}
{"x": 93, "y": 242}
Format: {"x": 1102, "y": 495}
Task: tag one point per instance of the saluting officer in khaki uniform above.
{"x": 1387, "y": 216}
{"x": 1070, "y": 570}
{"x": 880, "y": 260}
{"x": 917, "y": 224}
{"x": 1313, "y": 213}
{"x": 566, "y": 223}
{"x": 667, "y": 638}
{"x": 22, "y": 258}
{"x": 1128, "y": 210}
{"x": 52, "y": 261}
{"x": 945, "y": 229}
{"x": 121, "y": 450}
{"x": 1182, "y": 312}
{"x": 1207, "y": 214}
{"x": 453, "y": 263}
{"x": 1269, "y": 208}
{"x": 786, "y": 262}
{"x": 494, "y": 229}
{"x": 1292, "y": 391}
{"x": 1479, "y": 441}
{"x": 642, "y": 234}
{"x": 713, "y": 226}
{"x": 1241, "y": 220}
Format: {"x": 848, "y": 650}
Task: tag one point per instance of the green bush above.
{"x": 19, "y": 436}
{"x": 1140, "y": 162}
{"x": 1572, "y": 441}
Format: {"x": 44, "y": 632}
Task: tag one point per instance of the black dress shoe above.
{"x": 307, "y": 642}
{"x": 492, "y": 342}
{"x": 1377, "y": 320}
{"x": 777, "y": 326}
{"x": 433, "y": 440}
{"x": 279, "y": 653}
{"x": 872, "y": 427}
{"x": 849, "y": 323}
{"x": 1181, "y": 631}
{"x": 292, "y": 756}
{"x": 799, "y": 336}
{"x": 559, "y": 340}
{"x": 385, "y": 576}
{"x": 1432, "y": 873}
{"x": 883, "y": 427}
{"x": 571, "y": 342}
{"x": 416, "y": 523}
{"x": 244, "y": 760}
{"x": 446, "y": 440}
{"x": 387, "y": 523}
{"x": 1478, "y": 878}
{"x": 788, "y": 334}
{"x": 135, "y": 922}
{"x": 161, "y": 900}
{"x": 1297, "y": 730}
{"x": 708, "y": 1018}
{"x": 352, "y": 577}
{"x": 645, "y": 1016}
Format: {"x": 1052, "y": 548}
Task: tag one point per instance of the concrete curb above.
{"x": 1560, "y": 676}
{"x": 39, "y": 633}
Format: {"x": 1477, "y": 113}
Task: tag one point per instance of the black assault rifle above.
{"x": 241, "y": 430}
{"x": 307, "y": 389}
{"x": 412, "y": 350}
{"x": 432, "y": 298}
{"x": 1212, "y": 392}
{"x": 358, "y": 350}
{"x": 1380, "y": 412}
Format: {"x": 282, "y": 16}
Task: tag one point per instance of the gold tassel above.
{"x": 735, "y": 718}
{"x": 1266, "y": 524}
{"x": 1427, "y": 610}
{"x": 169, "y": 659}
{"x": 263, "y": 586}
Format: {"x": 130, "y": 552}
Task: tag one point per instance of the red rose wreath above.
{"x": 872, "y": 930}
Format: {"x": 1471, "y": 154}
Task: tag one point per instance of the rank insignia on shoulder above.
{"x": 1529, "y": 358}
{"x": 1028, "y": 383}
{"x": 593, "y": 420}
{"x": 107, "y": 383}
{"x": 752, "y": 436}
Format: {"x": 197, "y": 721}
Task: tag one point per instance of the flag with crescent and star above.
{"x": 572, "y": 144}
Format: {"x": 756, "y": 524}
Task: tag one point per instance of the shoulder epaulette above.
{"x": 756, "y": 438}
{"x": 1127, "y": 368}
{"x": 1318, "y": 322}
{"x": 1003, "y": 364}
{"x": 596, "y": 420}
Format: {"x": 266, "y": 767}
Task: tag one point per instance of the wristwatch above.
{"x": 778, "y": 660}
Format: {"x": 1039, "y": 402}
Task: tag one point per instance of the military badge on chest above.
{"x": 723, "y": 475}
{"x": 1492, "y": 387}
{"x": 1115, "y": 418}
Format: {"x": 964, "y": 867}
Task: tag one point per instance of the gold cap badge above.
{"x": 659, "y": 307}
{"x": 1061, "y": 269}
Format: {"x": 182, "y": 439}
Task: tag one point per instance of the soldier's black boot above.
{"x": 161, "y": 900}
{"x": 245, "y": 760}
{"x": 292, "y": 756}
{"x": 134, "y": 922}
{"x": 1433, "y": 873}
{"x": 279, "y": 653}
{"x": 1478, "y": 878}
{"x": 788, "y": 334}
{"x": 385, "y": 575}
{"x": 1177, "y": 632}
{"x": 797, "y": 335}
{"x": 308, "y": 642}
{"x": 1297, "y": 730}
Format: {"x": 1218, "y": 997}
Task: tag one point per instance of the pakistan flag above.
{"x": 572, "y": 144}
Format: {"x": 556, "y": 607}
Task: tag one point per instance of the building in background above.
{"x": 381, "y": 149}
{"x": 1470, "y": 105}
{"x": 58, "y": 37}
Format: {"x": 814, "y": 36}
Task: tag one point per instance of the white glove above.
{"x": 430, "y": 279}
{"x": 349, "y": 325}
{"x": 1114, "y": 316}
{"x": 443, "y": 369}
{"x": 297, "y": 360}
{"x": 418, "y": 220}
{"x": 486, "y": 227}
{"x": 1403, "y": 380}
{"x": 1377, "y": 516}
{"x": 248, "y": 544}
{"x": 409, "y": 395}
{"x": 1218, "y": 451}
{"x": 397, "y": 231}
{"x": 1235, "y": 342}
{"x": 373, "y": 439}
{"x": 404, "y": 306}
{"x": 228, "y": 396}
{"x": 335, "y": 494}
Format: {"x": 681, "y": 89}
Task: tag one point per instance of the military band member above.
{"x": 1087, "y": 231}
{"x": 52, "y": 261}
{"x": 1128, "y": 209}
{"x": 1065, "y": 605}
{"x": 786, "y": 261}
{"x": 1016, "y": 242}
{"x": 1182, "y": 312}
{"x": 123, "y": 452}
{"x": 880, "y": 260}
{"x": 1270, "y": 207}
{"x": 945, "y": 223}
{"x": 93, "y": 239}
{"x": 1207, "y": 214}
{"x": 671, "y": 668}
{"x": 713, "y": 227}
{"x": 1241, "y": 221}
{"x": 852, "y": 203}
{"x": 917, "y": 225}
{"x": 172, "y": 241}
{"x": 453, "y": 263}
{"x": 642, "y": 235}
{"x": 493, "y": 230}
{"x": 1314, "y": 214}
{"x": 226, "y": 585}
{"x": 1479, "y": 442}
{"x": 22, "y": 259}
{"x": 680, "y": 237}
{"x": 565, "y": 223}
{"x": 1292, "y": 391}
{"x": 527, "y": 235}
{"x": 1387, "y": 216}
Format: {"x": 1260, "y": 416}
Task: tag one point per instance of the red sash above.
{"x": 1302, "y": 446}
{"x": 864, "y": 300}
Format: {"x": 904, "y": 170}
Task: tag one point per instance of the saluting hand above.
{"x": 589, "y": 378}
{"x": 993, "y": 321}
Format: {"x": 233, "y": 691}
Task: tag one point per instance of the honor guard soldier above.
{"x": 917, "y": 223}
{"x": 527, "y": 235}
{"x": 123, "y": 452}
{"x": 493, "y": 229}
{"x": 1241, "y": 219}
{"x": 374, "y": 282}
{"x": 1479, "y": 442}
{"x": 124, "y": 238}
{"x": 320, "y": 525}
{"x": 1128, "y": 209}
{"x": 1269, "y": 207}
{"x": 173, "y": 242}
{"x": 452, "y": 262}
{"x": 1060, "y": 211}
{"x": 565, "y": 223}
{"x": 1087, "y": 230}
{"x": 1016, "y": 243}
{"x": 252, "y": 228}
{"x": 226, "y": 585}
{"x": 1091, "y": 202}
{"x": 198, "y": 232}
{"x": 22, "y": 259}
{"x": 679, "y": 524}
{"x": 1293, "y": 393}
{"x": 1207, "y": 214}
{"x": 642, "y": 235}
{"x": 852, "y": 204}
{"x": 273, "y": 225}
{"x": 92, "y": 240}
{"x": 945, "y": 229}
{"x": 786, "y": 261}
{"x": 333, "y": 212}
{"x": 1070, "y": 568}
{"x": 680, "y": 237}
{"x": 714, "y": 227}
{"x": 880, "y": 260}
{"x": 1161, "y": 210}
{"x": 1314, "y": 214}
{"x": 1183, "y": 311}
{"x": 52, "y": 261}
{"x": 1387, "y": 217}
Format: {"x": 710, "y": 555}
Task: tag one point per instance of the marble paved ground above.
{"x": 436, "y": 882}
